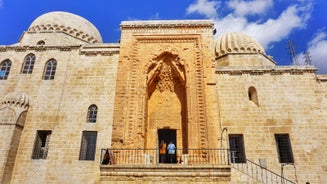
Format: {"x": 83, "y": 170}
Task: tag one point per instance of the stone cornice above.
{"x": 322, "y": 77}
{"x": 167, "y": 24}
{"x": 100, "y": 49}
{"x": 277, "y": 70}
{"x": 89, "y": 49}
{"x": 23, "y": 48}
{"x": 167, "y": 27}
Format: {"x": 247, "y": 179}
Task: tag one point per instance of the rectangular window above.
{"x": 88, "y": 145}
{"x": 41, "y": 144}
{"x": 284, "y": 148}
{"x": 237, "y": 151}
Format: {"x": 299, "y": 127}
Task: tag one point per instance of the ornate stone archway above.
{"x": 166, "y": 99}
{"x": 13, "y": 111}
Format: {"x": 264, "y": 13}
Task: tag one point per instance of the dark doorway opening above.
{"x": 167, "y": 135}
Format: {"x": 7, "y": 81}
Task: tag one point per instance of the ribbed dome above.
{"x": 237, "y": 43}
{"x": 68, "y": 23}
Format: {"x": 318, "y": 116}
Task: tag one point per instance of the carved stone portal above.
{"x": 166, "y": 105}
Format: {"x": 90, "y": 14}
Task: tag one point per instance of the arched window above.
{"x": 41, "y": 42}
{"x": 5, "y": 69}
{"x": 28, "y": 64}
{"x": 92, "y": 114}
{"x": 253, "y": 96}
{"x": 50, "y": 70}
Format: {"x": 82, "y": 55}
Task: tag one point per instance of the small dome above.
{"x": 237, "y": 43}
{"x": 68, "y": 23}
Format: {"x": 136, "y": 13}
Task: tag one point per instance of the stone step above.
{"x": 159, "y": 173}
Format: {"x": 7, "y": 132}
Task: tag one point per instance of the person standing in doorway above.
{"x": 171, "y": 152}
{"x": 162, "y": 151}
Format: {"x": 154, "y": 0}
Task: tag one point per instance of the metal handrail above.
{"x": 151, "y": 156}
{"x": 260, "y": 173}
{"x": 113, "y": 156}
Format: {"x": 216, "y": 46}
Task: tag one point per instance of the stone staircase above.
{"x": 254, "y": 173}
{"x": 165, "y": 173}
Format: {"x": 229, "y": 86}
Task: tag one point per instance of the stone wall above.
{"x": 290, "y": 101}
{"x": 7, "y": 127}
{"x": 13, "y": 109}
{"x": 84, "y": 76}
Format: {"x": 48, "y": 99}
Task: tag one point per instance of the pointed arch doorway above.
{"x": 166, "y": 102}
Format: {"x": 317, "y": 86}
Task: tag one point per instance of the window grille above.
{"x": 41, "y": 144}
{"x": 92, "y": 114}
{"x": 88, "y": 145}
{"x": 5, "y": 69}
{"x": 28, "y": 64}
{"x": 236, "y": 145}
{"x": 50, "y": 70}
{"x": 284, "y": 148}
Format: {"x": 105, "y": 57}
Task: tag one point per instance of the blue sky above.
{"x": 271, "y": 22}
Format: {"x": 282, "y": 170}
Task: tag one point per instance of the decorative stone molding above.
{"x": 154, "y": 66}
{"x": 103, "y": 49}
{"x": 277, "y": 70}
{"x": 3, "y": 49}
{"x": 18, "y": 101}
{"x": 13, "y": 108}
{"x": 168, "y": 39}
{"x": 74, "y": 33}
{"x": 25, "y": 48}
{"x": 164, "y": 25}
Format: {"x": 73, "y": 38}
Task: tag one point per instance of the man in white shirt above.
{"x": 171, "y": 148}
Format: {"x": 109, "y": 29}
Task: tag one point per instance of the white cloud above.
{"x": 204, "y": 7}
{"x": 319, "y": 36}
{"x": 317, "y": 50}
{"x": 1, "y": 3}
{"x": 274, "y": 30}
{"x": 242, "y": 8}
{"x": 266, "y": 32}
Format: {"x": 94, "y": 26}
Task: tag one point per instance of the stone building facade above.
{"x": 67, "y": 98}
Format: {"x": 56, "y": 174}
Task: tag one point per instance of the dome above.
{"x": 237, "y": 43}
{"x": 68, "y": 23}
